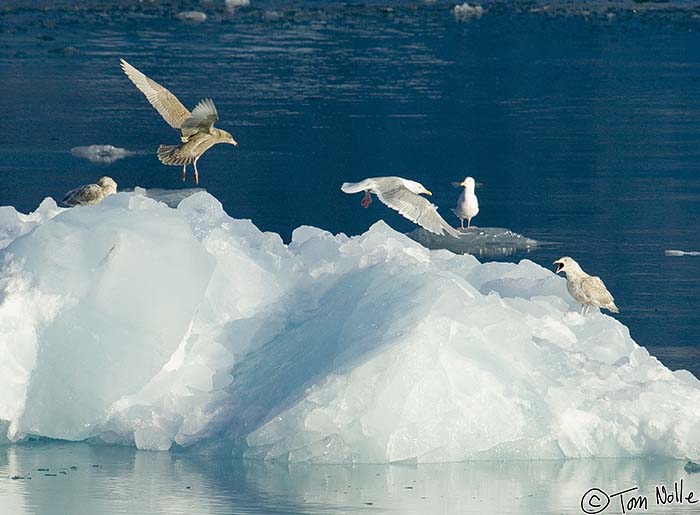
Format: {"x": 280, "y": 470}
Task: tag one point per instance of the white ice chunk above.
{"x": 134, "y": 323}
{"x": 193, "y": 16}
{"x": 14, "y": 224}
{"x": 232, "y": 5}
{"x": 465, "y": 11}
{"x": 170, "y": 198}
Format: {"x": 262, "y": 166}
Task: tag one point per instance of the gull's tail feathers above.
{"x": 173, "y": 155}
{"x": 355, "y": 187}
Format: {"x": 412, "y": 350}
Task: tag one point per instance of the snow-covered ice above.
{"x": 134, "y": 323}
{"x": 101, "y": 154}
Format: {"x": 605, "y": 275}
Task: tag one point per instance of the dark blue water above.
{"x": 581, "y": 120}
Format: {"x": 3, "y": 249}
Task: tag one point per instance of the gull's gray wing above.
{"x": 414, "y": 207}
{"x": 595, "y": 290}
{"x": 167, "y": 104}
{"x": 203, "y": 118}
{"x": 88, "y": 194}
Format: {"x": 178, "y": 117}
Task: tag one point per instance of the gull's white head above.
{"x": 468, "y": 183}
{"x": 108, "y": 185}
{"x": 567, "y": 265}
{"x": 416, "y": 187}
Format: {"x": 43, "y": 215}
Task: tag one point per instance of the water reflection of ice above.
{"x": 109, "y": 480}
{"x": 479, "y": 241}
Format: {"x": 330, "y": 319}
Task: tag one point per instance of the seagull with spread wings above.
{"x": 196, "y": 128}
{"x": 404, "y": 196}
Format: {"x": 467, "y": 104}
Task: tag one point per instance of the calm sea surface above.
{"x": 52, "y": 479}
{"x": 582, "y": 120}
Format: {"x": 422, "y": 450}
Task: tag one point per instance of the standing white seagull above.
{"x": 404, "y": 196}
{"x": 467, "y": 204}
{"x": 196, "y": 129}
{"x": 589, "y": 290}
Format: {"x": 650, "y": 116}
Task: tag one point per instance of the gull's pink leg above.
{"x": 461, "y": 223}
{"x": 196, "y": 173}
{"x": 366, "y": 200}
{"x": 184, "y": 168}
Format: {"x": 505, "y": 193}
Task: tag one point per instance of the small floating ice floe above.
{"x": 232, "y": 5}
{"x": 465, "y": 11}
{"x": 101, "y": 154}
{"x": 194, "y": 16}
{"x": 481, "y": 241}
{"x": 671, "y": 252}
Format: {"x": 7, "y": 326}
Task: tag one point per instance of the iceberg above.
{"x": 130, "y": 322}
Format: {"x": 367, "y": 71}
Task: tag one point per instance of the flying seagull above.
{"x": 587, "y": 289}
{"x": 467, "y": 204}
{"x": 196, "y": 129}
{"x": 402, "y": 195}
{"x": 90, "y": 193}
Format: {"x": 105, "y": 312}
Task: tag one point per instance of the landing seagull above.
{"x": 90, "y": 193}
{"x": 587, "y": 289}
{"x": 402, "y": 195}
{"x": 196, "y": 129}
{"x": 467, "y": 204}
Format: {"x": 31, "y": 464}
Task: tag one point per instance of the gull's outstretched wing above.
{"x": 167, "y": 104}
{"x": 416, "y": 208}
{"x": 203, "y": 118}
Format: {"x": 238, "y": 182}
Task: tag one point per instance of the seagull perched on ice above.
{"x": 90, "y": 193}
{"x": 467, "y": 204}
{"x": 587, "y": 289}
{"x": 196, "y": 129}
{"x": 402, "y": 195}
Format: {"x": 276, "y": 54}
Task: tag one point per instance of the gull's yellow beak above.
{"x": 428, "y": 192}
